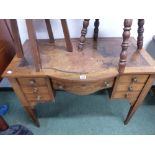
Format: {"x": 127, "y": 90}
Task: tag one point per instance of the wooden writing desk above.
{"x": 96, "y": 67}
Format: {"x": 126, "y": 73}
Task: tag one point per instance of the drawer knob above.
{"x": 106, "y": 84}
{"x": 134, "y": 79}
{"x": 127, "y": 95}
{"x": 32, "y": 82}
{"x": 38, "y": 98}
{"x": 61, "y": 87}
{"x": 130, "y": 88}
{"x": 35, "y": 90}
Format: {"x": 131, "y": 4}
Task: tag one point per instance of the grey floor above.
{"x": 92, "y": 114}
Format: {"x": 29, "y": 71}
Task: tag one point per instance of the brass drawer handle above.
{"x": 106, "y": 84}
{"x": 38, "y": 98}
{"x": 126, "y": 95}
{"x": 35, "y": 90}
{"x": 32, "y": 82}
{"x": 134, "y": 79}
{"x": 60, "y": 87}
{"x": 130, "y": 88}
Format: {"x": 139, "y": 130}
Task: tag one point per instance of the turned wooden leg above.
{"x": 83, "y": 34}
{"x": 66, "y": 35}
{"x": 140, "y": 99}
{"x": 3, "y": 124}
{"x": 126, "y": 36}
{"x": 49, "y": 30}
{"x": 96, "y": 29}
{"x": 33, "y": 115}
{"x": 140, "y": 34}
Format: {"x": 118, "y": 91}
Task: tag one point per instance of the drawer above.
{"x": 119, "y": 95}
{"x": 129, "y": 87}
{"x": 32, "y": 81}
{"x": 133, "y": 78}
{"x": 38, "y": 97}
{"x": 82, "y": 87}
{"x": 32, "y": 90}
{"x": 130, "y": 96}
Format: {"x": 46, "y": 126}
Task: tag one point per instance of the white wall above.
{"x": 108, "y": 28}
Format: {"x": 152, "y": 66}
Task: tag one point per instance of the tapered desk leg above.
{"x": 140, "y": 99}
{"x": 27, "y": 105}
{"x": 130, "y": 114}
{"x": 33, "y": 115}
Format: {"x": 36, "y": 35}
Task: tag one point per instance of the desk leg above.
{"x": 140, "y": 99}
{"x": 27, "y": 105}
{"x": 32, "y": 114}
{"x": 132, "y": 110}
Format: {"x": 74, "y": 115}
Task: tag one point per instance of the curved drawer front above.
{"x": 82, "y": 87}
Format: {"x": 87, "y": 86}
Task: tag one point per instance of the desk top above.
{"x": 97, "y": 60}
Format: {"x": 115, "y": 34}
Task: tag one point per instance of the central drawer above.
{"x": 82, "y": 87}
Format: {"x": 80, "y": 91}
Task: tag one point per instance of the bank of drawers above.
{"x": 129, "y": 87}
{"x": 36, "y": 89}
{"x": 82, "y": 87}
